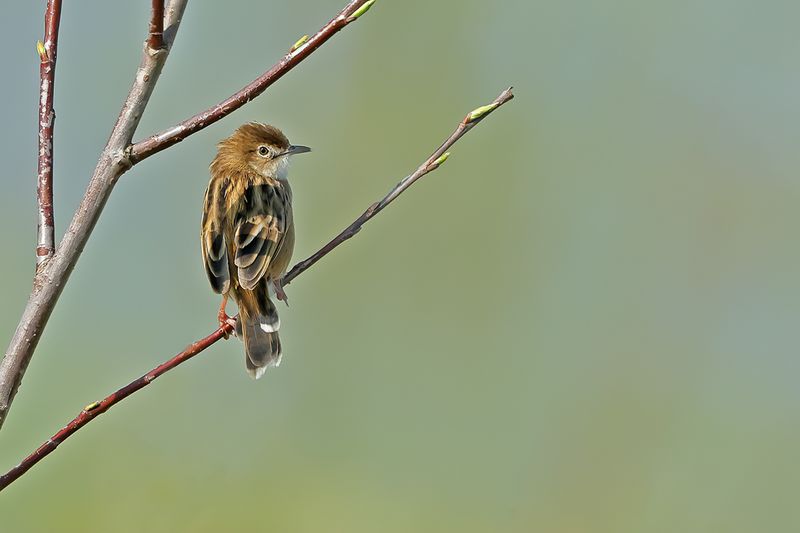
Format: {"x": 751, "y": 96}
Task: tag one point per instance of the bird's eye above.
{"x": 263, "y": 151}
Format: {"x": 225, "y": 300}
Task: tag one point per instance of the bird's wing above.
{"x": 215, "y": 251}
{"x": 259, "y": 232}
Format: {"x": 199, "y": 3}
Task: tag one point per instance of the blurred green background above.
{"x": 587, "y": 320}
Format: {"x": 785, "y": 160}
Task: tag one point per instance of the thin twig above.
{"x": 431, "y": 164}
{"x": 156, "y": 37}
{"x": 46, "y": 241}
{"x": 91, "y": 411}
{"x": 180, "y": 131}
{"x": 117, "y": 157}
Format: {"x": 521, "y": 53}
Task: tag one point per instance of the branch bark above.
{"x": 46, "y": 241}
{"x": 91, "y": 411}
{"x": 117, "y": 157}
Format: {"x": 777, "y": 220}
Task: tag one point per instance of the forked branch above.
{"x": 52, "y": 275}
{"x": 91, "y": 411}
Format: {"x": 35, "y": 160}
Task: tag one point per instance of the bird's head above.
{"x": 262, "y": 147}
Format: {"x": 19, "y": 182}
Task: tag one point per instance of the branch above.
{"x": 432, "y": 163}
{"x": 46, "y": 242}
{"x": 91, "y": 411}
{"x": 156, "y": 38}
{"x": 98, "y": 408}
{"x": 117, "y": 157}
{"x": 53, "y": 275}
{"x": 147, "y": 147}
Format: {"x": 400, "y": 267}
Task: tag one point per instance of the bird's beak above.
{"x": 293, "y": 150}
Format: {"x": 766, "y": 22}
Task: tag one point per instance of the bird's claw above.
{"x": 280, "y": 294}
{"x": 225, "y": 320}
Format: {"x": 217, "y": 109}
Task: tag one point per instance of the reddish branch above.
{"x": 155, "y": 39}
{"x": 93, "y": 410}
{"x": 179, "y": 132}
{"x": 46, "y": 243}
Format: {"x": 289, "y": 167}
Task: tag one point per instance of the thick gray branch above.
{"x": 113, "y": 162}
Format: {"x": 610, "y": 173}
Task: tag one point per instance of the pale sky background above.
{"x": 587, "y": 320}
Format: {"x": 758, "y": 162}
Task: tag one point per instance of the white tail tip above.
{"x": 257, "y": 372}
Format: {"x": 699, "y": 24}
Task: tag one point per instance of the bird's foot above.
{"x": 280, "y": 294}
{"x": 225, "y": 320}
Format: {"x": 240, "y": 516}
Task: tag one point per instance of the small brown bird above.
{"x": 247, "y": 234}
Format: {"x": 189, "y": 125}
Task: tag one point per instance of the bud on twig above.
{"x": 42, "y": 51}
{"x": 478, "y": 113}
{"x": 361, "y": 10}
{"x": 300, "y": 42}
{"x": 441, "y": 159}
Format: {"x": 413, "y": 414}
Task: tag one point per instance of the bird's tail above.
{"x": 258, "y": 327}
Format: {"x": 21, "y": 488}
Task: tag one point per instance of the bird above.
{"x": 247, "y": 235}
